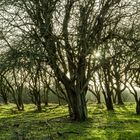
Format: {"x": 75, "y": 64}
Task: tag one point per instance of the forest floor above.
{"x": 53, "y": 124}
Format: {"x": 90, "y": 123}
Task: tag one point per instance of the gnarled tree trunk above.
{"x": 77, "y": 105}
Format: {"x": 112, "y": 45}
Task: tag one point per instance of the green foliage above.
{"x": 53, "y": 123}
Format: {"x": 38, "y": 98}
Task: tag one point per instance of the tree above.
{"x": 14, "y": 77}
{"x": 133, "y": 87}
{"x": 95, "y": 88}
{"x": 107, "y": 89}
{"x": 15, "y": 86}
{"x": 35, "y": 84}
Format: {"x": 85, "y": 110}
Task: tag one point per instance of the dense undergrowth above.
{"x": 53, "y": 124}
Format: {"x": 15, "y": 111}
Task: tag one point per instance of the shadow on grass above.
{"x": 53, "y": 123}
{"x": 122, "y": 124}
{"x": 128, "y": 135}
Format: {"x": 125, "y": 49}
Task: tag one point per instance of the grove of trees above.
{"x": 68, "y": 48}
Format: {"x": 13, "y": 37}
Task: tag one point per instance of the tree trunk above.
{"x": 17, "y": 97}
{"x": 120, "y": 101}
{"x": 114, "y": 98}
{"x": 138, "y": 107}
{"x": 5, "y": 98}
{"x": 108, "y": 91}
{"x": 20, "y": 107}
{"x": 20, "y": 101}
{"x": 98, "y": 99}
{"x": 77, "y": 106}
{"x": 109, "y": 103}
{"x": 37, "y": 98}
{"x": 119, "y": 92}
{"x": 70, "y": 110}
{"x": 46, "y": 98}
{"x": 39, "y": 108}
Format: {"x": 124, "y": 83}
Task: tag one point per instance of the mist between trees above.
{"x": 68, "y": 48}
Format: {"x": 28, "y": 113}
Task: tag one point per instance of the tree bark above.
{"x": 37, "y": 100}
{"x": 109, "y": 103}
{"x": 98, "y": 99}
{"x": 20, "y": 99}
{"x": 77, "y": 106}
{"x": 119, "y": 92}
{"x": 138, "y": 107}
{"x": 46, "y": 98}
{"x": 5, "y": 98}
{"x": 120, "y": 101}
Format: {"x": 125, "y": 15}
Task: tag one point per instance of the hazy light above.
{"x": 97, "y": 54}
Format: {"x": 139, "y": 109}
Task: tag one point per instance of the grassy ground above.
{"x": 53, "y": 123}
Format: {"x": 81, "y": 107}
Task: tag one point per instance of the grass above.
{"x": 53, "y": 123}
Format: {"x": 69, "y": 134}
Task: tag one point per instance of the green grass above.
{"x": 53, "y": 123}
